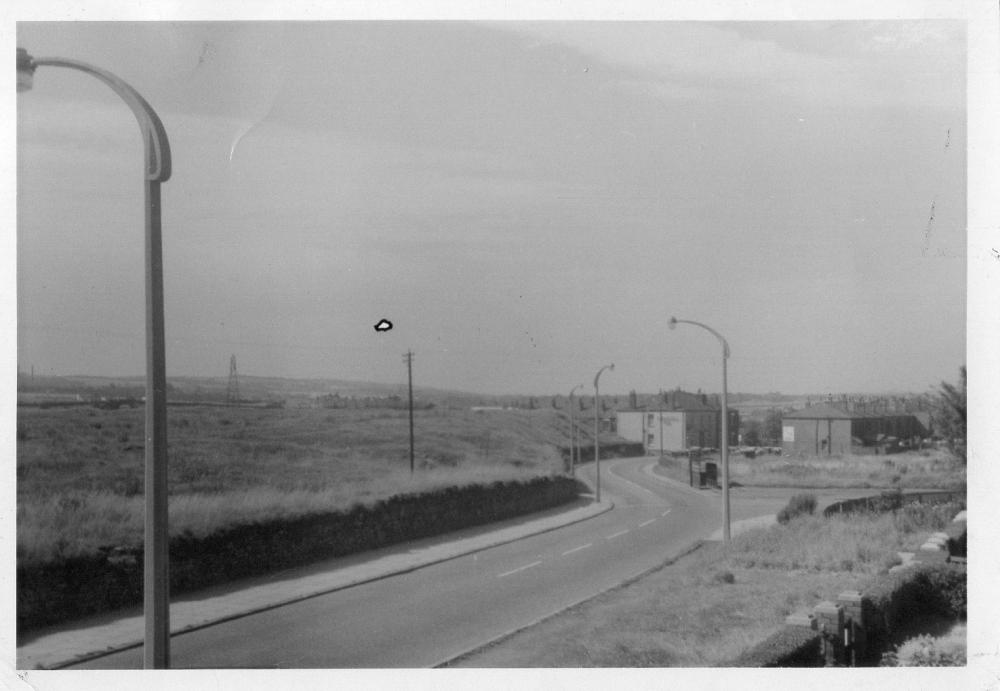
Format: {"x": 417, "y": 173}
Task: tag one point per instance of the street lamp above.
{"x": 597, "y": 426}
{"x": 572, "y": 431}
{"x": 156, "y": 569}
{"x": 674, "y": 321}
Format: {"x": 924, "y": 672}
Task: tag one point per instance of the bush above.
{"x": 927, "y": 651}
{"x": 724, "y": 577}
{"x": 791, "y": 646}
{"x": 927, "y": 590}
{"x": 798, "y": 505}
{"x": 919, "y": 516}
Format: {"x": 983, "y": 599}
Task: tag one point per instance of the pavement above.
{"x": 77, "y": 641}
{"x": 60, "y": 646}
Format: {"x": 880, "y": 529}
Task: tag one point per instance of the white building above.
{"x": 678, "y": 422}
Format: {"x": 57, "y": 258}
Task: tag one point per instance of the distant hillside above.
{"x": 250, "y": 388}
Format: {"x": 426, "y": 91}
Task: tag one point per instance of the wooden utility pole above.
{"x": 408, "y": 359}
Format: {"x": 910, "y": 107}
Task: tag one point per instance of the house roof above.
{"x": 694, "y": 406}
{"x": 822, "y": 411}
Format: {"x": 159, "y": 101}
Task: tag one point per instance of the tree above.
{"x": 752, "y": 432}
{"x": 772, "y": 426}
{"x": 950, "y": 412}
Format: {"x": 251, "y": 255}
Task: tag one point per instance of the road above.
{"x": 428, "y": 616}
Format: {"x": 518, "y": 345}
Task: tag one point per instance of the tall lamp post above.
{"x": 674, "y": 321}
{"x": 572, "y": 431}
{"x": 597, "y": 426}
{"x": 156, "y": 570}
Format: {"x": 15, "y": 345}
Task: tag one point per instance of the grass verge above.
{"x": 709, "y": 607}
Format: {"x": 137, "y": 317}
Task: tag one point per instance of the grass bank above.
{"x": 80, "y": 470}
{"x": 712, "y": 605}
{"x": 926, "y": 469}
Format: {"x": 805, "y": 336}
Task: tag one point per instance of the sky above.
{"x": 525, "y": 201}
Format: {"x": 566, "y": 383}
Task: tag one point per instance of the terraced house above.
{"x": 677, "y": 421}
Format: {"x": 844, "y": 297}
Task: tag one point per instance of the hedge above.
{"x": 791, "y": 646}
{"x": 889, "y": 500}
{"x": 82, "y": 586}
{"x": 887, "y": 603}
{"x": 617, "y": 449}
{"x": 926, "y": 589}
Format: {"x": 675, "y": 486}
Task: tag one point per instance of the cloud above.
{"x": 913, "y": 63}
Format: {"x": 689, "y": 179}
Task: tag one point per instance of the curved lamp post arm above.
{"x": 598, "y": 375}
{"x": 154, "y": 136}
{"x": 725, "y": 345}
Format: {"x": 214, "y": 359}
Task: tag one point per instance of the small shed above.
{"x": 821, "y": 430}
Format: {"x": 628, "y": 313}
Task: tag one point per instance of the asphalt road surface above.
{"x": 428, "y": 616}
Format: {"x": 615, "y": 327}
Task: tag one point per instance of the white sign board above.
{"x": 787, "y": 433}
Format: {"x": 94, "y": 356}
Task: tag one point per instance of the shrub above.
{"x": 724, "y": 577}
{"x": 928, "y": 590}
{"x": 798, "y": 505}
{"x": 920, "y": 516}
{"x": 926, "y": 651}
{"x": 791, "y": 646}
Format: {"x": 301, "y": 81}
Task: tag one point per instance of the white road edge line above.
{"x": 520, "y": 568}
{"x": 618, "y": 534}
{"x": 577, "y": 549}
{"x": 651, "y": 520}
{"x": 665, "y": 512}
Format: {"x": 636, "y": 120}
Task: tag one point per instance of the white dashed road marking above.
{"x": 577, "y": 549}
{"x": 651, "y": 520}
{"x": 520, "y": 568}
{"x": 618, "y": 534}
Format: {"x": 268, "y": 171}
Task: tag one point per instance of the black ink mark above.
{"x": 996, "y": 255}
{"x": 947, "y": 141}
{"x": 383, "y": 325}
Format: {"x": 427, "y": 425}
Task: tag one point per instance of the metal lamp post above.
{"x": 597, "y": 426}
{"x": 725, "y": 423}
{"x": 156, "y": 594}
{"x": 572, "y": 432}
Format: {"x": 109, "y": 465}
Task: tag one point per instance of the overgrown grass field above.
{"x": 80, "y": 470}
{"x": 926, "y": 469}
{"x": 710, "y": 606}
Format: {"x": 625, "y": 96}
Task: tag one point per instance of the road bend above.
{"x": 430, "y": 615}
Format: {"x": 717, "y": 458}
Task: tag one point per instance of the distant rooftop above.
{"x": 675, "y": 400}
{"x": 823, "y": 411}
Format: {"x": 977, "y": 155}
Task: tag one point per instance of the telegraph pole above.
{"x": 233, "y": 389}
{"x": 408, "y": 359}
